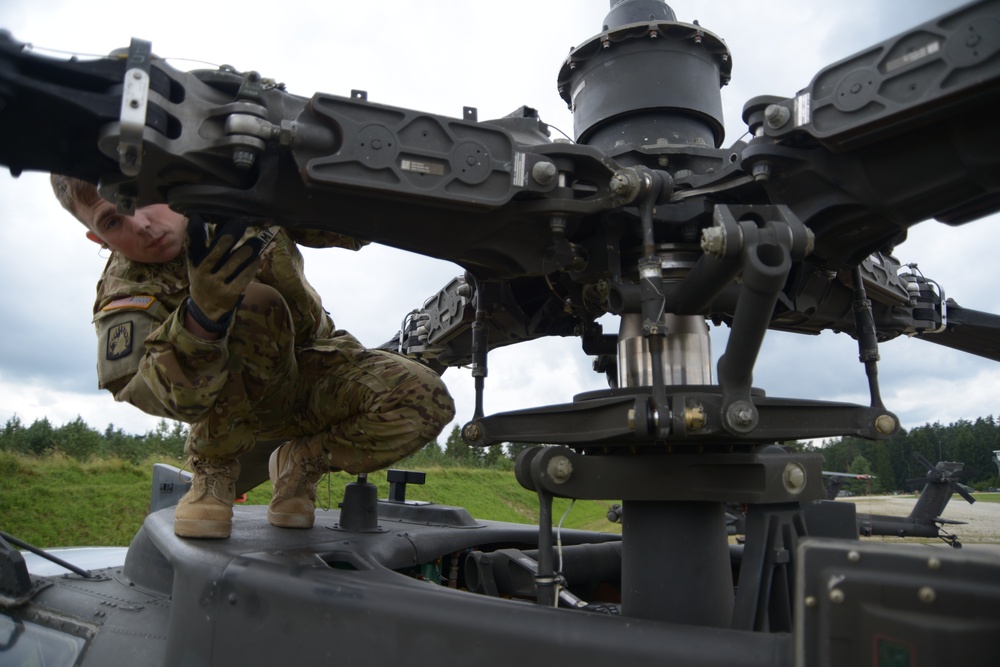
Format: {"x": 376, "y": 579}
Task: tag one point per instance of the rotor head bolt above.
{"x": 286, "y": 133}
{"x": 762, "y": 171}
{"x": 794, "y": 478}
{"x": 926, "y": 594}
{"x": 694, "y": 418}
{"x": 625, "y": 184}
{"x": 776, "y": 116}
{"x": 559, "y": 469}
{"x": 811, "y": 601}
{"x": 741, "y": 416}
{"x": 885, "y": 424}
{"x": 243, "y": 159}
{"x": 933, "y": 564}
{"x": 544, "y": 172}
{"x": 853, "y": 556}
{"x": 471, "y": 432}
{"x": 713, "y": 241}
{"x": 836, "y": 596}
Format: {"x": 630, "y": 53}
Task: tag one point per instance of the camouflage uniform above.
{"x": 282, "y": 371}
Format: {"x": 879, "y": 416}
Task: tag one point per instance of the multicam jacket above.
{"x": 139, "y": 316}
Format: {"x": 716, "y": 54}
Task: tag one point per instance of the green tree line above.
{"x": 79, "y": 441}
{"x": 892, "y": 461}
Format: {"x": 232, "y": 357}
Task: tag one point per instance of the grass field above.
{"x": 61, "y": 502}
{"x": 57, "y": 501}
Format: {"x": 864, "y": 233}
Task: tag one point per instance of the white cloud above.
{"x": 939, "y": 401}
{"x": 30, "y": 402}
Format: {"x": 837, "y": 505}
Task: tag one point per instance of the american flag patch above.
{"x": 134, "y": 302}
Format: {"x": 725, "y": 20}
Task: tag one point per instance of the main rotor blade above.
{"x": 969, "y": 330}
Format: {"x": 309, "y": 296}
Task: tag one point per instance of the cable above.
{"x": 568, "y": 138}
{"x": 559, "y": 577}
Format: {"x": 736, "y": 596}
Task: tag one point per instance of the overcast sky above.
{"x": 439, "y": 57}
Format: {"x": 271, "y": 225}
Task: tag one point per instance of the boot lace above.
{"x": 217, "y": 479}
{"x": 312, "y": 470}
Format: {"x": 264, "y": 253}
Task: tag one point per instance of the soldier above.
{"x": 216, "y": 326}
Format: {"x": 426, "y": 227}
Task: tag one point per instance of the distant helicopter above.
{"x": 925, "y": 519}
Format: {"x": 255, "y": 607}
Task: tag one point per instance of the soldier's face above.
{"x": 154, "y": 235}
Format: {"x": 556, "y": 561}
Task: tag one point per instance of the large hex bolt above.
{"x": 776, "y": 116}
{"x": 243, "y": 159}
{"x": 741, "y": 417}
{"x": 544, "y": 172}
{"x": 794, "y": 478}
{"x": 559, "y": 469}
{"x": 713, "y": 241}
{"x": 471, "y": 432}
{"x": 885, "y": 424}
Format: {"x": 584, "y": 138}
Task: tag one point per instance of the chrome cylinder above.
{"x": 687, "y": 357}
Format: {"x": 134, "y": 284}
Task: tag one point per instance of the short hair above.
{"x": 72, "y": 192}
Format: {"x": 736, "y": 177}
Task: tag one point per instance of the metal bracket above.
{"x": 132, "y": 119}
{"x": 135, "y": 98}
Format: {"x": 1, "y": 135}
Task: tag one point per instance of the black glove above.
{"x": 219, "y": 271}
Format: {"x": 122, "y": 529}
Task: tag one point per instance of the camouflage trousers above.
{"x": 366, "y": 408}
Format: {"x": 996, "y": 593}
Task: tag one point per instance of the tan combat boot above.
{"x": 206, "y": 511}
{"x": 294, "y": 469}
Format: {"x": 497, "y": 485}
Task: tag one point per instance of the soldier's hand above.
{"x": 219, "y": 271}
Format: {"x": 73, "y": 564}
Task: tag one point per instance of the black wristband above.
{"x": 212, "y": 326}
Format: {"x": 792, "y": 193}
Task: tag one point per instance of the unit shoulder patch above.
{"x": 119, "y": 343}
